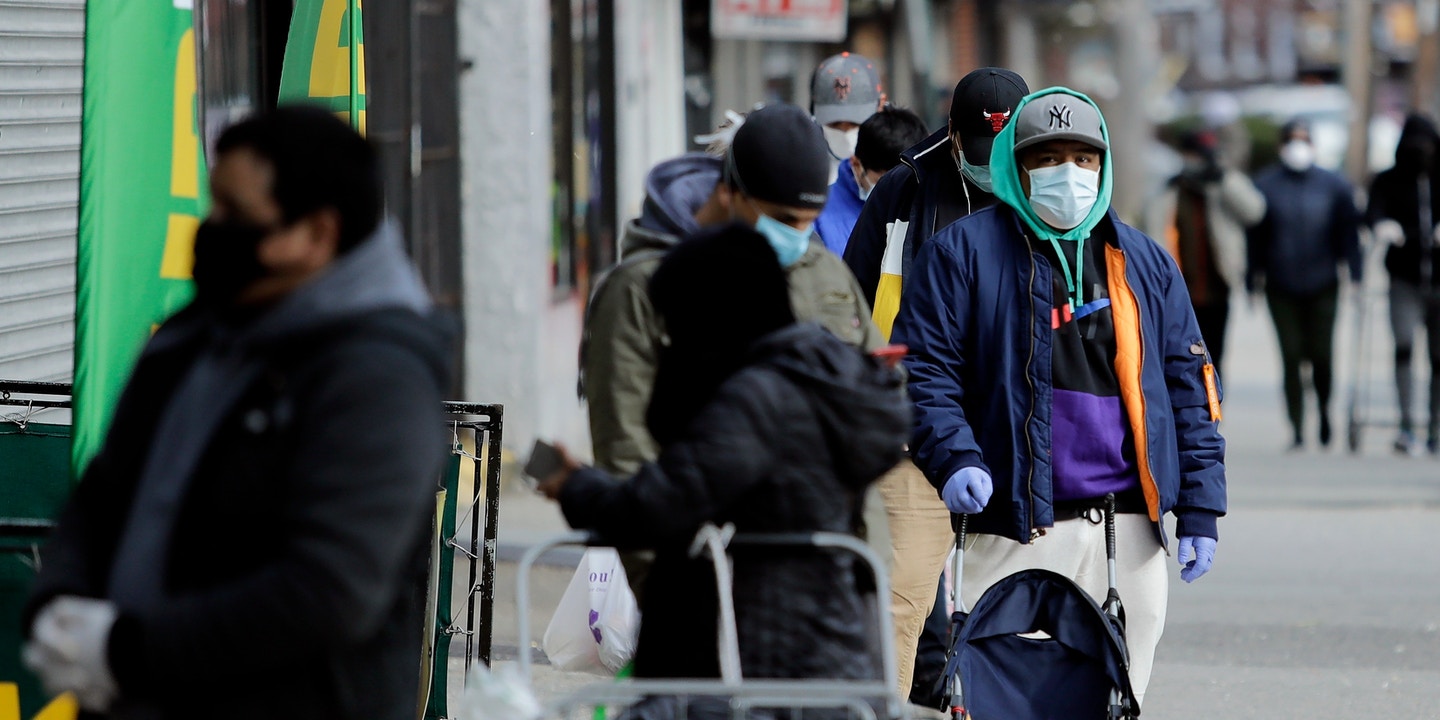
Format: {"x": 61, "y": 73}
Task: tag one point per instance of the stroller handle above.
{"x": 826, "y": 540}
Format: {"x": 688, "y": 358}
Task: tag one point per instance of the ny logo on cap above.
{"x": 997, "y": 120}
{"x": 1060, "y": 117}
{"x": 842, "y": 88}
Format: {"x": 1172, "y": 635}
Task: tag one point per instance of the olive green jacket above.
{"x": 623, "y": 335}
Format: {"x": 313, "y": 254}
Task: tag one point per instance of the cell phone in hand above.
{"x": 544, "y": 461}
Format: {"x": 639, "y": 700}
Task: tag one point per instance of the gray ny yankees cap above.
{"x": 1059, "y": 116}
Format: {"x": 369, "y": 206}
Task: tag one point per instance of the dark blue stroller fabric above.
{"x": 1068, "y": 675}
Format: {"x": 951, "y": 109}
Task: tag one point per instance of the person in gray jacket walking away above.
{"x": 1201, "y": 217}
{"x": 1311, "y": 225}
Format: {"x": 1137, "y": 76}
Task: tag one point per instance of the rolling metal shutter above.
{"x": 42, "y": 46}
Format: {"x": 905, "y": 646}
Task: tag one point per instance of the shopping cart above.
{"x": 859, "y": 698}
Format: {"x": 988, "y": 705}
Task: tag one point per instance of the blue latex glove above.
{"x": 1196, "y": 554}
{"x": 967, "y": 491}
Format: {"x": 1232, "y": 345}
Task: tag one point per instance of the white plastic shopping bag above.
{"x": 597, "y": 621}
{"x": 501, "y": 695}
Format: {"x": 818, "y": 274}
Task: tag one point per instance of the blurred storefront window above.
{"x": 582, "y": 133}
{"x": 229, "y": 78}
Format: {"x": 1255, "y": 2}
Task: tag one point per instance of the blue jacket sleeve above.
{"x": 1201, "y": 499}
{"x": 932, "y": 323}
{"x": 866, "y": 248}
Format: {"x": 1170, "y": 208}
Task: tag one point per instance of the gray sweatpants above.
{"x": 1410, "y": 309}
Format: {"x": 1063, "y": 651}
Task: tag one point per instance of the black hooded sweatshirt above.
{"x": 787, "y": 444}
{"x": 1395, "y": 195}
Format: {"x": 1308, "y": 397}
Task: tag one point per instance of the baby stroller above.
{"x": 1037, "y": 647}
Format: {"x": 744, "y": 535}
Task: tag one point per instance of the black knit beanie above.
{"x": 780, "y": 155}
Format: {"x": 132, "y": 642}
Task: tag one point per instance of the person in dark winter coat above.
{"x": 251, "y": 539}
{"x": 770, "y": 425}
{"x": 944, "y": 178}
{"x": 1311, "y": 225}
{"x": 1054, "y": 359}
{"x": 1404, "y": 209}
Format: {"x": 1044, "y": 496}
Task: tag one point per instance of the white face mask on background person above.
{"x": 1298, "y": 155}
{"x": 1062, "y": 195}
{"x": 841, "y": 142}
{"x": 860, "y": 181}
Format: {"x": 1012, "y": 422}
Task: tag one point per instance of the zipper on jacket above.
{"x": 1029, "y": 381}
{"x": 1144, "y": 413}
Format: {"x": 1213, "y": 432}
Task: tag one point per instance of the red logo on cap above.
{"x": 997, "y": 120}
{"x": 842, "y": 88}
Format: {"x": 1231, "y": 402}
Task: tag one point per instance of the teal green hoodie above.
{"x": 1005, "y": 176}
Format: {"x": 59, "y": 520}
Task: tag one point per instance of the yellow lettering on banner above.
{"x": 61, "y": 708}
{"x": 179, "y": 257}
{"x": 330, "y": 60}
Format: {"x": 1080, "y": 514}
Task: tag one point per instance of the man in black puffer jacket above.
{"x": 250, "y": 541}
{"x": 768, "y": 424}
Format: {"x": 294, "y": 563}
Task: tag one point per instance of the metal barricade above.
{"x": 854, "y": 696}
{"x": 465, "y": 539}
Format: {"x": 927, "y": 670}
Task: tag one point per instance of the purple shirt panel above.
{"x": 1091, "y": 448}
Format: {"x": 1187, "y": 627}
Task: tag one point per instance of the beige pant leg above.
{"x": 920, "y": 540}
{"x": 1076, "y": 549}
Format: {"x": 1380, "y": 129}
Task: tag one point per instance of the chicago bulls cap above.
{"x": 983, "y": 102}
{"x": 845, "y": 88}
{"x": 1059, "y": 116}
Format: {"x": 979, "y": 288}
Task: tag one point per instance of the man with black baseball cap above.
{"x": 773, "y": 178}
{"x": 1054, "y": 363}
{"x": 942, "y": 179}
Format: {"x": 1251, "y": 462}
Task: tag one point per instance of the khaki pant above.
{"x": 920, "y": 541}
{"x": 1075, "y": 548}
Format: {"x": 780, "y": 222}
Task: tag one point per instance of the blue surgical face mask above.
{"x": 1062, "y": 195}
{"x": 789, "y": 243}
{"x": 978, "y": 174}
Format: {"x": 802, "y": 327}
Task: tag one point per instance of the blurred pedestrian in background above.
{"x": 771, "y": 179}
{"x": 1404, "y": 202}
{"x": 882, "y": 138}
{"x": 942, "y": 179}
{"x": 844, "y": 92}
{"x": 765, "y": 423}
{"x": 1054, "y": 360}
{"x": 1201, "y": 216}
{"x": 251, "y": 539}
{"x": 1311, "y": 225}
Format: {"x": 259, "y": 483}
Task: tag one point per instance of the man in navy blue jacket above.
{"x": 1054, "y": 359}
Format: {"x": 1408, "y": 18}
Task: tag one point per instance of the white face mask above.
{"x": 1298, "y": 155}
{"x": 1063, "y": 195}
{"x": 841, "y": 142}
